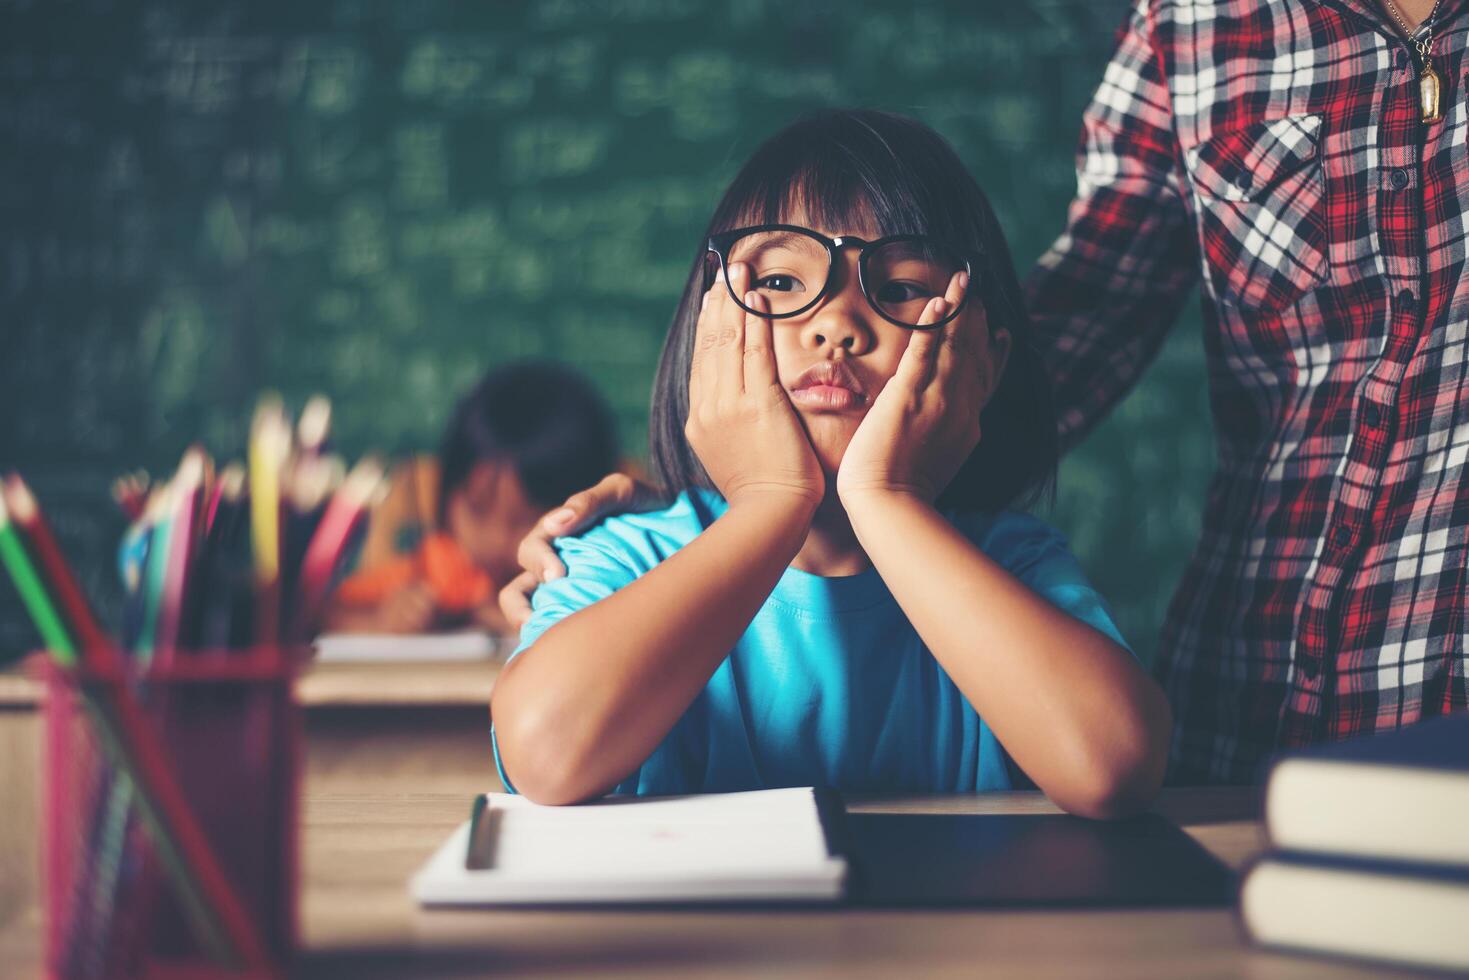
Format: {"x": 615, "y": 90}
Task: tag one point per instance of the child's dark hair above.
{"x": 848, "y": 171}
{"x": 545, "y": 419}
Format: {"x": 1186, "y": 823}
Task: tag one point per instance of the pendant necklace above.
{"x": 1430, "y": 83}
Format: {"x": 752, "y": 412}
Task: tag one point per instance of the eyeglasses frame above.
{"x": 720, "y": 244}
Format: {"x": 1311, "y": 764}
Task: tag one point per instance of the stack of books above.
{"x": 1370, "y": 849}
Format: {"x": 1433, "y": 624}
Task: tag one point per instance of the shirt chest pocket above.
{"x": 1262, "y": 211}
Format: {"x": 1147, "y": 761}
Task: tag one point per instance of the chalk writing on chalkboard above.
{"x": 379, "y": 200}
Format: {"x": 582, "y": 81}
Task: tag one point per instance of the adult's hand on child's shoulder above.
{"x": 615, "y": 494}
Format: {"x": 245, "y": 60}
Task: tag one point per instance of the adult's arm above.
{"x": 1105, "y": 294}
{"x": 615, "y": 494}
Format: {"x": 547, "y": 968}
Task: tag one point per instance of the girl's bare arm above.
{"x": 1074, "y": 709}
{"x": 591, "y": 699}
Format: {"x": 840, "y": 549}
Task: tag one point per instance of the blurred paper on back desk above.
{"x": 458, "y": 646}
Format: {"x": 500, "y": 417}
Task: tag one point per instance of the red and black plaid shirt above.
{"x": 1276, "y": 150}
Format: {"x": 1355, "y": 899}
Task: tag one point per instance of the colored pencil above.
{"x": 307, "y": 490}
{"x": 132, "y": 555}
{"x": 94, "y": 891}
{"x": 154, "y": 574}
{"x": 112, "y": 816}
{"x": 314, "y": 426}
{"x": 178, "y": 563}
{"x": 150, "y": 614}
{"x": 270, "y": 448}
{"x": 92, "y": 643}
{"x": 346, "y": 513}
{"x": 131, "y": 493}
{"x": 207, "y": 480}
{"x": 173, "y": 592}
{"x": 88, "y": 914}
{"x": 232, "y": 475}
{"x": 134, "y": 561}
{"x": 33, "y": 592}
{"x": 225, "y": 569}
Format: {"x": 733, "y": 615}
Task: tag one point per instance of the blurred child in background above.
{"x": 444, "y": 541}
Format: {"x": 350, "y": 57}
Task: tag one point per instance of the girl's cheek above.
{"x": 787, "y": 355}
{"x": 886, "y": 367}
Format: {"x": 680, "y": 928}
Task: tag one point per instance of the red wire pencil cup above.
{"x": 170, "y": 815}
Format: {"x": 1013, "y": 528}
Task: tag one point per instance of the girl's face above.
{"x": 834, "y": 360}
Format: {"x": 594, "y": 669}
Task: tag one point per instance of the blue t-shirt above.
{"x": 830, "y": 685}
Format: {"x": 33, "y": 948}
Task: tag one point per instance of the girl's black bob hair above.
{"x": 860, "y": 171}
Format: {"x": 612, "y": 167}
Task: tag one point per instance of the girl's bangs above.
{"x": 823, "y": 181}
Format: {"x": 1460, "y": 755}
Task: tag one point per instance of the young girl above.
{"x": 847, "y": 401}
{"x": 526, "y": 435}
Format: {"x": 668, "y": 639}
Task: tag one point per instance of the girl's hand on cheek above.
{"x": 925, "y": 421}
{"x": 741, "y": 423}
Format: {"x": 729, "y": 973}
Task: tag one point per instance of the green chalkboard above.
{"x": 379, "y": 200}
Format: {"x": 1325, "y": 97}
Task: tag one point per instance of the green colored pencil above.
{"x": 33, "y": 592}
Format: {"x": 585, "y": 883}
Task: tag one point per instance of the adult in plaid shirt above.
{"x": 1279, "y": 151}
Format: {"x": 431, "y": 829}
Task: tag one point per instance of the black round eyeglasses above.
{"x": 791, "y": 267}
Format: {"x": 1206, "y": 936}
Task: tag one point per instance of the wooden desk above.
{"x": 425, "y": 723}
{"x": 394, "y": 757}
{"x": 358, "y": 921}
{"x": 339, "y": 685}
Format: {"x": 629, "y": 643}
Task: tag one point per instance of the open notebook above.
{"x": 766, "y": 845}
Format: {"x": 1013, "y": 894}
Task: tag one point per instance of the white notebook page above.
{"x": 719, "y": 847}
{"x": 778, "y": 830}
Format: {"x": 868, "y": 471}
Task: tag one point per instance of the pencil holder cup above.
{"x": 170, "y": 816}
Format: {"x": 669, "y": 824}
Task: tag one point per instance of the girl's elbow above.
{"x": 537, "y": 758}
{"x": 1126, "y": 774}
{"x": 541, "y": 773}
{"x": 556, "y": 792}
{"x": 1111, "y": 796}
